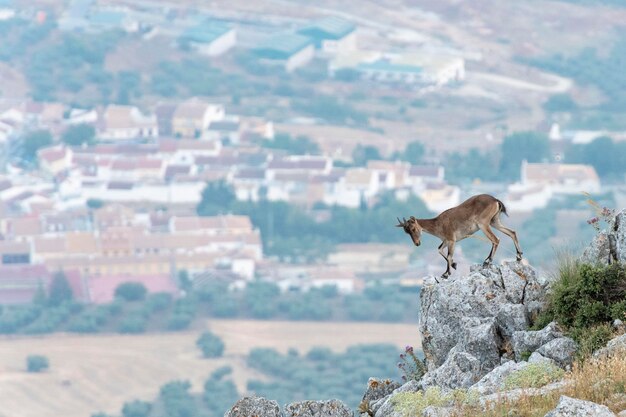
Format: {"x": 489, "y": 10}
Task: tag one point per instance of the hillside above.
{"x": 101, "y": 372}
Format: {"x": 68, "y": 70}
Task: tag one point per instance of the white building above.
{"x": 332, "y": 34}
{"x": 125, "y": 123}
{"x": 211, "y": 38}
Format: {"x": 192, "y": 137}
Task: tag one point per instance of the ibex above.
{"x": 457, "y": 223}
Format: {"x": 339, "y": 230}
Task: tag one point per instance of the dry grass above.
{"x": 600, "y": 381}
{"x": 100, "y": 372}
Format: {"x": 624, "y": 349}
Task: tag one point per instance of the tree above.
{"x": 361, "y": 154}
{"x": 131, "y": 291}
{"x": 210, "y": 345}
{"x": 94, "y": 203}
{"x": 136, "y": 408}
{"x": 529, "y": 146}
{"x": 413, "y": 153}
{"x": 37, "y": 363}
{"x": 217, "y": 197}
{"x": 76, "y": 135}
{"x": 33, "y": 141}
{"x": 60, "y": 290}
{"x": 605, "y": 155}
{"x": 560, "y": 103}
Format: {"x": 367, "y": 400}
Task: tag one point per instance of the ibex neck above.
{"x": 429, "y": 226}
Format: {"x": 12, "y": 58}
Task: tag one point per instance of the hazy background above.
{"x": 174, "y": 168}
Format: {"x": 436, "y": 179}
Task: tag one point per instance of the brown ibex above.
{"x": 457, "y": 223}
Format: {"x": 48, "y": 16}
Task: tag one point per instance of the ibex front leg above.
{"x": 449, "y": 259}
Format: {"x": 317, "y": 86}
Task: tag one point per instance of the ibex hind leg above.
{"x": 510, "y": 233}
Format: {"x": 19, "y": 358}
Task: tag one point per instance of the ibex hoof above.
{"x": 486, "y": 263}
{"x": 519, "y": 257}
{"x": 445, "y": 275}
{"x": 453, "y": 265}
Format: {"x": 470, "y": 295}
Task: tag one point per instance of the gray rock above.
{"x": 621, "y": 413}
{"x": 460, "y": 370}
{"x": 615, "y": 346}
{"x": 379, "y": 388}
{"x": 618, "y": 325}
{"x": 537, "y": 357}
{"x": 515, "y": 394}
{"x": 494, "y": 381}
{"x": 512, "y": 318}
{"x": 562, "y": 350}
{"x": 480, "y": 339}
{"x": 432, "y": 411}
{"x": 531, "y": 340}
{"x": 386, "y": 408}
{"x": 410, "y": 386}
{"x": 330, "y": 408}
{"x": 608, "y": 244}
{"x": 444, "y": 305}
{"x": 377, "y": 392}
{"x": 572, "y": 407}
{"x": 254, "y": 407}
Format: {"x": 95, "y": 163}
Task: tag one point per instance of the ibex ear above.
{"x": 413, "y": 218}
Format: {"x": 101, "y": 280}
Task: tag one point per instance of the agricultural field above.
{"x": 101, "y": 372}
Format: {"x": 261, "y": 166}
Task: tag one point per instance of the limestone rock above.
{"x": 330, "y": 408}
{"x": 379, "y": 388}
{"x": 572, "y": 407}
{"x": 254, "y": 407}
{"x": 537, "y": 357}
{"x": 432, "y": 411}
{"x": 615, "y": 346}
{"x": 512, "y": 318}
{"x": 561, "y": 350}
{"x": 480, "y": 339}
{"x": 377, "y": 392}
{"x": 529, "y": 341}
{"x": 494, "y": 381}
{"x": 608, "y": 244}
{"x": 460, "y": 370}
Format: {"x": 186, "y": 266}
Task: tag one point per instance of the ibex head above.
{"x": 413, "y": 228}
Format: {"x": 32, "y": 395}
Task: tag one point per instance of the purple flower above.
{"x": 408, "y": 348}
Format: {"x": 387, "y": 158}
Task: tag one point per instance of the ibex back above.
{"x": 476, "y": 213}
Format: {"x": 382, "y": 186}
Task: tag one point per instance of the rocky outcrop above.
{"x": 494, "y": 381}
{"x": 468, "y": 323}
{"x": 572, "y": 407}
{"x": 526, "y": 342}
{"x": 615, "y": 346}
{"x": 254, "y": 407}
{"x": 330, "y": 408}
{"x": 609, "y": 245}
{"x": 561, "y": 350}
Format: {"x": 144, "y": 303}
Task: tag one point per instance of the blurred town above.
{"x": 109, "y": 190}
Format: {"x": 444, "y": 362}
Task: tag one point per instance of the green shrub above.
{"x": 412, "y": 404}
{"x": 131, "y": 291}
{"x": 158, "y": 301}
{"x": 133, "y": 323}
{"x": 210, "y": 345}
{"x": 36, "y": 363}
{"x": 584, "y": 299}
{"x": 534, "y": 375}
{"x": 136, "y": 408}
{"x": 592, "y": 338}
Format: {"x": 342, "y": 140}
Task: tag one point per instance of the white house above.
{"x": 210, "y": 37}
{"x": 125, "y": 123}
